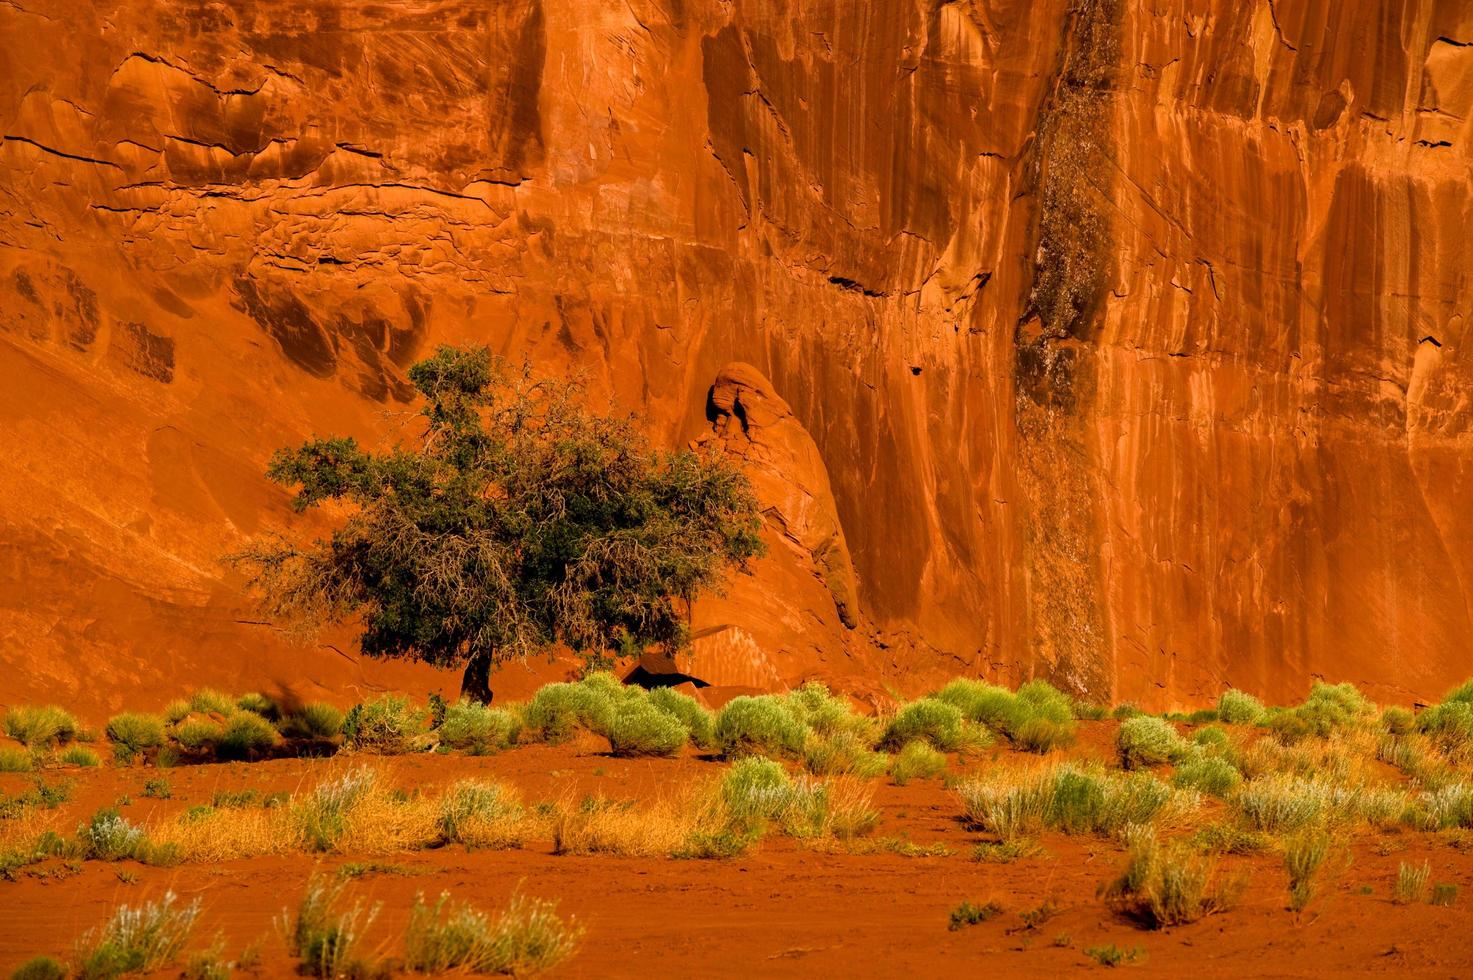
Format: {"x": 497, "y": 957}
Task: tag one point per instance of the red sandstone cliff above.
{"x": 1127, "y": 335}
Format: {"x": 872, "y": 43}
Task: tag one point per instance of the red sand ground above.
{"x": 779, "y": 911}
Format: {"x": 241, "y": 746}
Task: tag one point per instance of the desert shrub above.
{"x": 1463, "y": 692}
{"x": 477, "y": 728}
{"x": 1041, "y": 735}
{"x": 1239, "y": 708}
{"x": 1446, "y": 807}
{"x": 208, "y": 701}
{"x": 817, "y": 709}
{"x": 176, "y": 711}
{"x": 1230, "y": 838}
{"x": 323, "y": 815}
{"x": 1449, "y": 726}
{"x": 756, "y": 789}
{"x": 14, "y": 759}
{"x": 916, "y": 761}
{"x": 1444, "y": 894}
{"x": 1209, "y": 774}
{"x": 1167, "y": 886}
{"x": 258, "y": 703}
{"x": 1277, "y": 803}
{"x": 245, "y": 734}
{"x": 40, "y": 968}
{"x": 315, "y": 720}
{"x": 158, "y": 789}
{"x": 557, "y": 710}
{"x": 325, "y": 939}
{"x": 80, "y": 755}
{"x": 843, "y": 753}
{"x": 1304, "y": 854}
{"x": 40, "y": 726}
{"x": 1211, "y": 739}
{"x": 1397, "y": 720}
{"x": 387, "y": 725}
{"x": 526, "y": 939}
{"x": 639, "y": 728}
{"x": 480, "y": 814}
{"x": 1038, "y": 718}
{"x": 966, "y": 914}
{"x": 1329, "y": 708}
{"x": 1148, "y": 741}
{"x": 198, "y": 734}
{"x": 758, "y": 726}
{"x": 1113, "y": 955}
{"x": 928, "y": 720}
{"x": 138, "y": 939}
{"x": 109, "y": 836}
{"x": 132, "y": 733}
{"x": 1126, "y": 710}
{"x": 977, "y": 700}
{"x": 1412, "y": 881}
{"x": 700, "y": 727}
{"x": 1069, "y": 799}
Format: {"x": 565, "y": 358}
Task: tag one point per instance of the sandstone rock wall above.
{"x": 1128, "y": 333}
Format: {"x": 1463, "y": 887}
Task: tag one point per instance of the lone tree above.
{"x": 519, "y": 520}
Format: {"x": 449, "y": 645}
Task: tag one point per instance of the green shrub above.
{"x": 176, "y": 711}
{"x": 639, "y": 728}
{"x": 326, "y": 940}
{"x": 479, "y": 814}
{"x": 699, "y": 724}
{"x": 966, "y": 914}
{"x": 819, "y": 710}
{"x": 477, "y": 728}
{"x": 40, "y": 968}
{"x": 928, "y": 720}
{"x": 79, "y": 755}
{"x": 1239, "y": 708}
{"x": 1212, "y": 775}
{"x": 1047, "y": 701}
{"x": 842, "y": 753}
{"x": 1333, "y": 707}
{"x": 323, "y": 815}
{"x": 528, "y": 938}
{"x": 1444, "y": 894}
{"x": 13, "y": 759}
{"x": 1397, "y": 720}
{"x": 387, "y": 725}
{"x": 258, "y": 703}
{"x": 109, "y": 836}
{"x": 1067, "y": 798}
{"x": 208, "y": 701}
{"x": 1449, "y": 726}
{"x": 318, "y": 720}
{"x": 758, "y": 726}
{"x": 136, "y": 940}
{"x": 245, "y": 735}
{"x": 916, "y": 761}
{"x": 1412, "y": 882}
{"x": 1041, "y": 735}
{"x": 1113, "y": 955}
{"x": 198, "y": 734}
{"x": 40, "y": 727}
{"x": 978, "y": 701}
{"x": 1463, "y": 692}
{"x": 1278, "y": 803}
{"x": 1211, "y": 738}
{"x": 158, "y": 789}
{"x": 1148, "y": 741}
{"x": 557, "y": 710}
{"x": 1168, "y": 886}
{"x": 754, "y": 790}
{"x": 1304, "y": 853}
{"x": 132, "y": 733}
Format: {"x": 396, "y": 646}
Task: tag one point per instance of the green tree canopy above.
{"x": 520, "y": 520}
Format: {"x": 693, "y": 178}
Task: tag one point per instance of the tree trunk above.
{"x": 475, "y": 683}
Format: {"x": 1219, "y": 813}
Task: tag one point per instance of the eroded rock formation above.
{"x": 1128, "y": 334}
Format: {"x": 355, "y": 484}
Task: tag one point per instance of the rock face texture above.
{"x": 1126, "y": 336}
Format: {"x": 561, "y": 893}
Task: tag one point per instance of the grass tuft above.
{"x": 1413, "y": 882}
{"x": 1148, "y": 741}
{"x": 916, "y": 761}
{"x": 528, "y": 938}
{"x": 966, "y": 914}
{"x": 136, "y": 939}
{"x": 325, "y": 939}
{"x": 40, "y": 726}
{"x": 758, "y": 726}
